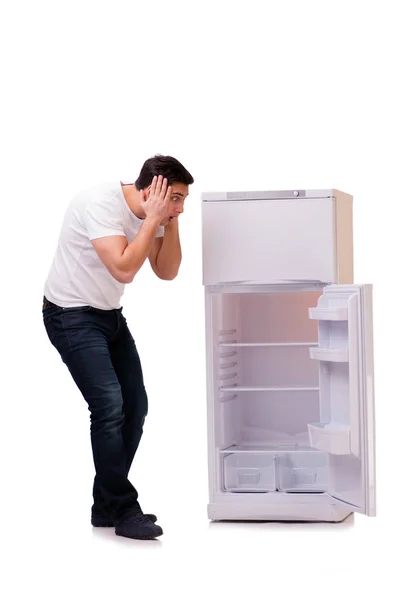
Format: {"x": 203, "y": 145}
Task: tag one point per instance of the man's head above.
{"x": 178, "y": 177}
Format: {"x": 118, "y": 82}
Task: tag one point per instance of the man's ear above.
{"x": 146, "y": 193}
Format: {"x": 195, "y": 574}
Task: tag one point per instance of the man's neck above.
{"x": 132, "y": 198}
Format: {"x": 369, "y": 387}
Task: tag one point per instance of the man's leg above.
{"x": 126, "y": 361}
{"x": 128, "y": 369}
{"x": 82, "y": 338}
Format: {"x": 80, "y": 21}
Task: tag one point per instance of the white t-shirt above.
{"x": 77, "y": 276}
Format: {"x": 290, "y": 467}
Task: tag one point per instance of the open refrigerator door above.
{"x": 346, "y": 428}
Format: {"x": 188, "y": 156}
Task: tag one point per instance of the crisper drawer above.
{"x": 264, "y": 241}
{"x": 303, "y": 472}
{"x": 276, "y": 471}
{"x": 249, "y": 472}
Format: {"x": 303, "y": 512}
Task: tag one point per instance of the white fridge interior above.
{"x": 285, "y": 380}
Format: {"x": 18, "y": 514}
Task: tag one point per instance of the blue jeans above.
{"x": 100, "y": 353}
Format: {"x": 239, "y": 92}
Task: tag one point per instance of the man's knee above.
{"x": 108, "y": 411}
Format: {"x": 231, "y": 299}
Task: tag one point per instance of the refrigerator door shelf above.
{"x": 330, "y": 354}
{"x": 330, "y": 437}
{"x": 329, "y": 314}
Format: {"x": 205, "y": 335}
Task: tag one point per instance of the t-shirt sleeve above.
{"x": 102, "y": 219}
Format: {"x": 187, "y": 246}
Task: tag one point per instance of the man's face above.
{"x": 176, "y": 203}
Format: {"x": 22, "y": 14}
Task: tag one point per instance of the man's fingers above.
{"x": 153, "y": 185}
{"x": 159, "y": 184}
{"x": 164, "y": 187}
{"x": 168, "y": 194}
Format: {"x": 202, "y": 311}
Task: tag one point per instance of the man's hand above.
{"x": 157, "y": 204}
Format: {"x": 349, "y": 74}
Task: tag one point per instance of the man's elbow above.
{"x": 168, "y": 276}
{"x": 123, "y": 277}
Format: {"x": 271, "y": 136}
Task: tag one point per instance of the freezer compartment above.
{"x": 303, "y": 472}
{"x": 270, "y": 240}
{"x": 330, "y": 437}
{"x": 249, "y": 472}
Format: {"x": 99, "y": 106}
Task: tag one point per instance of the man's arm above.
{"x": 124, "y": 260}
{"x": 166, "y": 255}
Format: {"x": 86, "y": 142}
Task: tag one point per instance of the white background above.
{"x": 248, "y": 96}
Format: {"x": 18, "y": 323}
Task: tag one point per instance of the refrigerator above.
{"x": 289, "y": 358}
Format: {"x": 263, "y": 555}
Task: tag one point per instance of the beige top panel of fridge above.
{"x": 279, "y": 236}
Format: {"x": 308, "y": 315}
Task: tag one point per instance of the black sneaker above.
{"x": 104, "y": 520}
{"x": 137, "y": 526}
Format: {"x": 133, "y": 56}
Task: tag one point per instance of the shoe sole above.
{"x": 140, "y": 537}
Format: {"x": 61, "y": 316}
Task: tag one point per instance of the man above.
{"x": 107, "y": 234}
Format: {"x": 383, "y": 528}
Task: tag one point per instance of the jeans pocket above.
{"x": 50, "y": 325}
{"x": 49, "y": 311}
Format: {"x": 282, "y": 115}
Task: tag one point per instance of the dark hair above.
{"x": 167, "y": 166}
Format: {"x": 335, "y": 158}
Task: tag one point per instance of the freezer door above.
{"x": 269, "y": 240}
{"x": 347, "y": 432}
